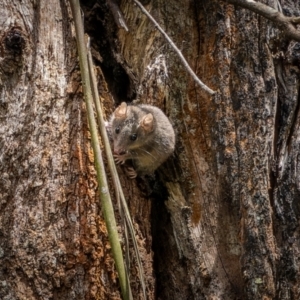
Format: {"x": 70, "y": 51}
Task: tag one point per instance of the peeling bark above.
{"x": 220, "y": 218}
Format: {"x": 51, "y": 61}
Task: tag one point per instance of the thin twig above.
{"x": 185, "y": 63}
{"x": 286, "y": 24}
{"x": 117, "y": 14}
{"x": 294, "y": 20}
{"x": 106, "y": 202}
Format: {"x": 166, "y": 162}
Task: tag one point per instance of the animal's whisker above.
{"x": 149, "y": 152}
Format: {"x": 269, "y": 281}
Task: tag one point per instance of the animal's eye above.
{"x": 117, "y": 130}
{"x": 133, "y": 136}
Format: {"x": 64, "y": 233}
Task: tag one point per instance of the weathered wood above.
{"x": 220, "y": 220}
{"x": 53, "y": 241}
{"x": 217, "y": 235}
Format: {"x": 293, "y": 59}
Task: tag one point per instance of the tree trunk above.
{"x": 220, "y": 218}
{"x": 53, "y": 240}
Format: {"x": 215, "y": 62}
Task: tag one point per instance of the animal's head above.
{"x": 131, "y": 128}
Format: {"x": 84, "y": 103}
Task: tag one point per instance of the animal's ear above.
{"x": 147, "y": 122}
{"x": 121, "y": 111}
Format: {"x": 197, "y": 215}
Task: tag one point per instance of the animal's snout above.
{"x": 119, "y": 151}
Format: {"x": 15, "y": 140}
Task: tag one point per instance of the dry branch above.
{"x": 185, "y": 63}
{"x": 286, "y": 24}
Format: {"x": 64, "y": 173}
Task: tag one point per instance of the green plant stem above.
{"x": 101, "y": 175}
{"x": 115, "y": 176}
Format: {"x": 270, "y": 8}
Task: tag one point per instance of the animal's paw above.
{"x": 120, "y": 159}
{"x": 130, "y": 172}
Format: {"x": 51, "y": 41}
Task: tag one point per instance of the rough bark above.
{"x": 220, "y": 218}
{"x": 53, "y": 241}
{"x": 227, "y": 228}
